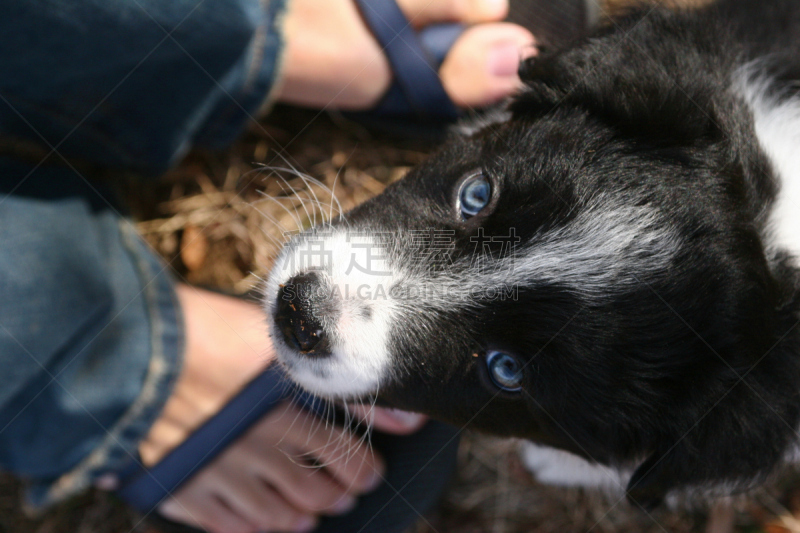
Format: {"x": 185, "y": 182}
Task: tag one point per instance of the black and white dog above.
{"x": 609, "y": 269}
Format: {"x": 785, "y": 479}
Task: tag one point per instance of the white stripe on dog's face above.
{"x": 605, "y": 250}
{"x": 497, "y": 115}
{"x": 383, "y": 286}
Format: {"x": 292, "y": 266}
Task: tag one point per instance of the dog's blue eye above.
{"x": 504, "y": 370}
{"x": 474, "y": 195}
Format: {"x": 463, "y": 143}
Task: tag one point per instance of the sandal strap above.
{"x": 415, "y": 70}
{"x": 144, "y": 488}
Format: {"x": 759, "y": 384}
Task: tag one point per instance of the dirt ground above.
{"x": 219, "y": 219}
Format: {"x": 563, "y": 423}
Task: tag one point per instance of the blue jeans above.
{"x": 91, "y": 337}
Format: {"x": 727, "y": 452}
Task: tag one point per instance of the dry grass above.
{"x": 222, "y": 218}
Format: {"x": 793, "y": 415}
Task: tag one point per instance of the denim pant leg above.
{"x": 136, "y": 83}
{"x": 90, "y": 333}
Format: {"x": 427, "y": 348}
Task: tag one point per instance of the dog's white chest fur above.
{"x": 563, "y": 469}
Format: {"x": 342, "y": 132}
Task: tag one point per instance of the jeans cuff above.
{"x": 254, "y": 86}
{"x": 120, "y": 445}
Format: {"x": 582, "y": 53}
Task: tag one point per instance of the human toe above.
{"x": 424, "y": 12}
{"x": 260, "y": 505}
{"x": 206, "y": 512}
{"x": 389, "y": 420}
{"x": 304, "y": 486}
{"x": 342, "y": 455}
{"x": 481, "y": 67}
{"x": 347, "y": 459}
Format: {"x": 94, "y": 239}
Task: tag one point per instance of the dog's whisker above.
{"x": 293, "y": 170}
{"x": 339, "y": 209}
{"x": 270, "y": 217}
{"x": 329, "y": 191}
{"x": 310, "y": 179}
{"x": 280, "y": 226}
{"x": 293, "y": 192}
{"x": 307, "y": 181}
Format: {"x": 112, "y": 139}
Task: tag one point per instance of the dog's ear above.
{"x": 731, "y": 444}
{"x": 650, "y": 87}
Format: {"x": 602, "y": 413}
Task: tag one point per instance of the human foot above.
{"x": 264, "y": 481}
{"x": 226, "y": 347}
{"x": 332, "y": 59}
{"x": 287, "y": 469}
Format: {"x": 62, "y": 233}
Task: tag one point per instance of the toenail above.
{"x": 345, "y": 504}
{"x": 169, "y": 509}
{"x": 494, "y": 8}
{"x": 374, "y": 481}
{"x": 305, "y": 524}
{"x": 406, "y": 418}
{"x": 504, "y": 59}
{"x": 107, "y": 482}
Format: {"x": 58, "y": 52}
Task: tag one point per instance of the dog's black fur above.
{"x": 689, "y": 371}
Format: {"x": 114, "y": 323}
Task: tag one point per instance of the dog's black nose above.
{"x": 298, "y": 300}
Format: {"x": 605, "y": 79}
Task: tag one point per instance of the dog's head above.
{"x": 588, "y": 272}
